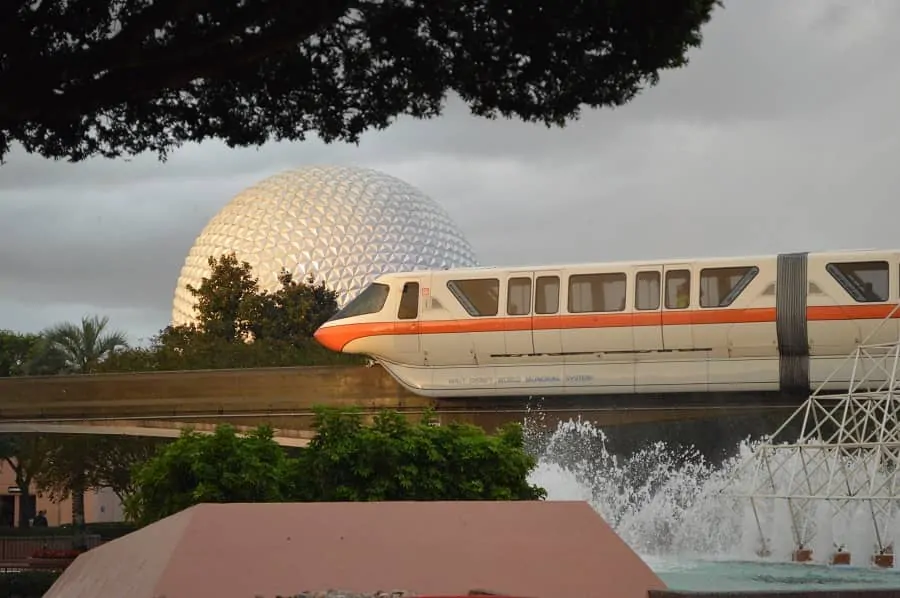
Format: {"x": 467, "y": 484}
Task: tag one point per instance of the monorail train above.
{"x": 773, "y": 323}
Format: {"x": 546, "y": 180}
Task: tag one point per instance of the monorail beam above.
{"x": 299, "y": 425}
{"x": 284, "y": 398}
{"x": 203, "y": 392}
{"x": 126, "y": 429}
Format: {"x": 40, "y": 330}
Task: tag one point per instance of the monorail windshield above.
{"x": 370, "y": 301}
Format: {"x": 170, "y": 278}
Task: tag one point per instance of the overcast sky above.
{"x": 782, "y": 134}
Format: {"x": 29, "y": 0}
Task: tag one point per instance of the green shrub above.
{"x": 348, "y": 460}
{"x": 26, "y": 584}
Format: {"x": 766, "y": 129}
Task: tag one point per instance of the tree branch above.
{"x": 172, "y": 66}
{"x": 77, "y": 86}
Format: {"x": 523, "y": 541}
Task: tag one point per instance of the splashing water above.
{"x": 668, "y": 506}
{"x": 661, "y": 502}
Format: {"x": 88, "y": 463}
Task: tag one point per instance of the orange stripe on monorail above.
{"x": 337, "y": 336}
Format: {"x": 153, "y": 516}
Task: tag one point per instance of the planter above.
{"x": 45, "y": 563}
{"x": 840, "y": 558}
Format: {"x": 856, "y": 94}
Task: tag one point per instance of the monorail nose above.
{"x": 330, "y": 337}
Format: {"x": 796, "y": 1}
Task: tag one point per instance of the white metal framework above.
{"x": 836, "y": 485}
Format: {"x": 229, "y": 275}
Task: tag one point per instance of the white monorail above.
{"x": 770, "y": 323}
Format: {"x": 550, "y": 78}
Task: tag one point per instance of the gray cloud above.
{"x": 780, "y": 135}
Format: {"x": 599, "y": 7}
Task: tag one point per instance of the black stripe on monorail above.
{"x": 791, "y": 285}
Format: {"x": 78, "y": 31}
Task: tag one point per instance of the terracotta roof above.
{"x": 539, "y": 549}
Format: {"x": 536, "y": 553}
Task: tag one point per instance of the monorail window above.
{"x": 719, "y": 287}
{"x": 678, "y": 289}
{"x": 866, "y": 282}
{"x": 409, "y": 302}
{"x": 478, "y": 296}
{"x": 370, "y": 301}
{"x": 518, "y": 296}
{"x": 597, "y": 292}
{"x": 546, "y": 295}
{"x": 646, "y": 290}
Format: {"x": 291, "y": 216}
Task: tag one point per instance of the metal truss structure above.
{"x": 836, "y": 485}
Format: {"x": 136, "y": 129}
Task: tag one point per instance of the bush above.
{"x": 209, "y": 468}
{"x": 393, "y": 459}
{"x": 27, "y": 584}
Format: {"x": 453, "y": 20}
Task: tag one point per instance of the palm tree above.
{"x": 81, "y": 348}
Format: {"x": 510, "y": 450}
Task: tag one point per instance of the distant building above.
{"x": 99, "y": 505}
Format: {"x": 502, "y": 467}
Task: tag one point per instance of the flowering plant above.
{"x": 46, "y": 553}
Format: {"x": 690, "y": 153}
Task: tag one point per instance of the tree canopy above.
{"x": 26, "y": 455}
{"x": 231, "y": 306}
{"x": 232, "y": 309}
{"x": 82, "y": 347}
{"x": 81, "y": 462}
{"x": 198, "y": 468}
{"x": 64, "y": 466}
{"x": 391, "y": 459}
{"x": 396, "y": 459}
{"x": 16, "y": 349}
{"x": 96, "y": 77}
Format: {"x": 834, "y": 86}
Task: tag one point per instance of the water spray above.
{"x": 836, "y": 484}
{"x": 829, "y": 496}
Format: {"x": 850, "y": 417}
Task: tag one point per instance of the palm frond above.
{"x": 86, "y": 345}
{"x": 112, "y": 341}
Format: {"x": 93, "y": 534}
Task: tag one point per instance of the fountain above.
{"x": 828, "y": 497}
{"x": 668, "y": 506}
{"x": 838, "y": 479}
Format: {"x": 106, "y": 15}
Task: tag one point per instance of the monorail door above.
{"x": 517, "y": 321}
{"x": 647, "y": 328}
{"x": 546, "y": 323}
{"x": 406, "y": 327}
{"x": 679, "y": 295}
{"x": 647, "y": 325}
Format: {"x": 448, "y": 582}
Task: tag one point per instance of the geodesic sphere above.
{"x": 344, "y": 225}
